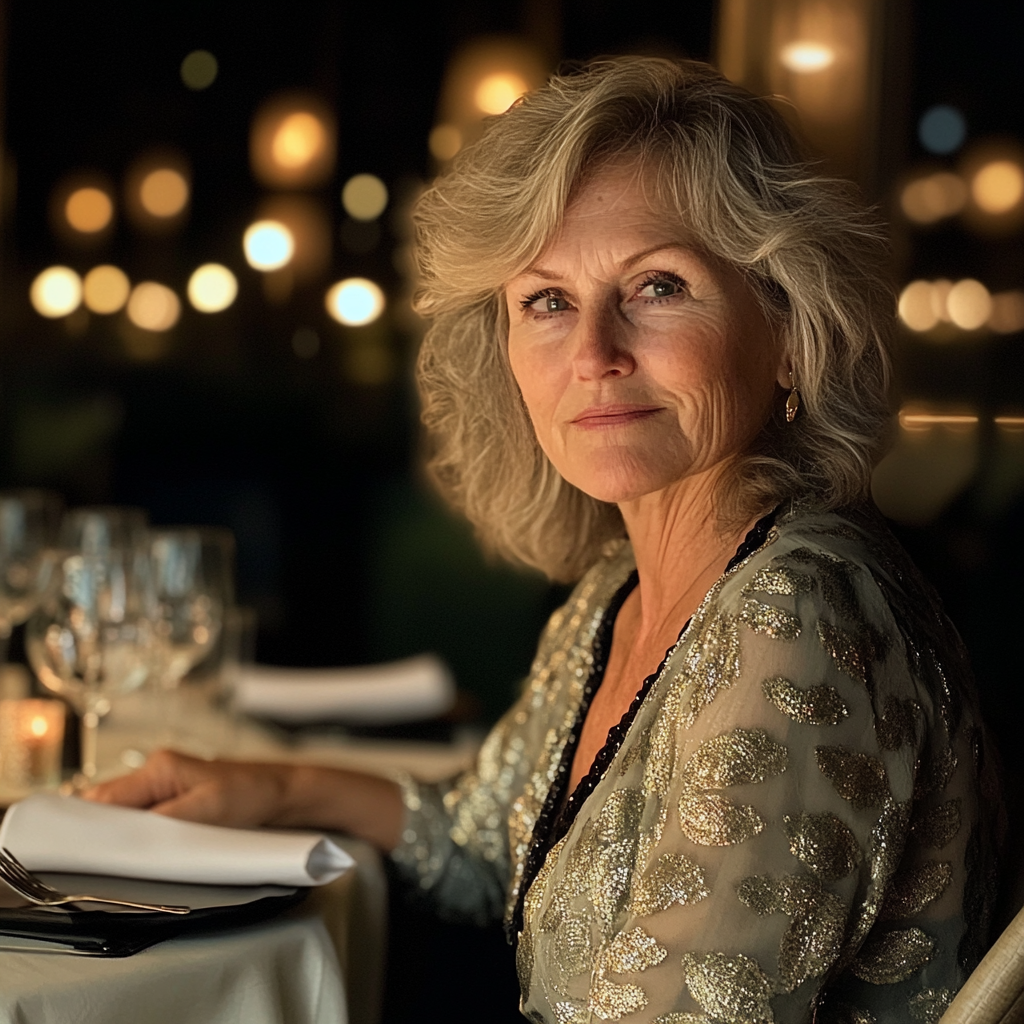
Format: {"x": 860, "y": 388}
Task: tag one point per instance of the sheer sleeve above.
{"x": 757, "y": 841}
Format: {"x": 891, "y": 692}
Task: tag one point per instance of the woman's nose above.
{"x": 601, "y": 349}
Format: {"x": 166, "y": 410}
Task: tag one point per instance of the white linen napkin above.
{"x": 47, "y": 832}
{"x": 398, "y": 691}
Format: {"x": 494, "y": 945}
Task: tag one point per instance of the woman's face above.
{"x": 642, "y": 361}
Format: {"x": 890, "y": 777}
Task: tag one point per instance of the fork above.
{"x": 35, "y": 890}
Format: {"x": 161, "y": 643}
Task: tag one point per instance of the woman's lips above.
{"x": 598, "y": 416}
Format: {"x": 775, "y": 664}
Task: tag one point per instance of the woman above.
{"x": 658, "y": 361}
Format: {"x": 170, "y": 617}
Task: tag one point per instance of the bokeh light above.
{"x": 929, "y": 199}
{"x": 164, "y": 192}
{"x": 212, "y": 288}
{"x": 355, "y": 301}
{"x": 998, "y": 186}
{"x": 89, "y": 209}
{"x": 292, "y": 142}
{"x": 56, "y": 292}
{"x": 364, "y": 197}
{"x": 805, "y": 57}
{"x": 1007, "y": 316}
{"x": 300, "y": 138}
{"x": 199, "y": 69}
{"x": 153, "y": 306}
{"x": 105, "y": 289}
{"x": 268, "y": 245}
{"x": 497, "y": 92}
{"x": 969, "y": 304}
{"x": 444, "y": 142}
{"x": 942, "y": 129}
{"x": 917, "y": 307}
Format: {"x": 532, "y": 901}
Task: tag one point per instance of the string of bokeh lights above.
{"x": 292, "y": 146}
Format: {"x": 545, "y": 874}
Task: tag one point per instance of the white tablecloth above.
{"x": 321, "y": 963}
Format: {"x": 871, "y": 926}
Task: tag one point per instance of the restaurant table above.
{"x": 320, "y": 963}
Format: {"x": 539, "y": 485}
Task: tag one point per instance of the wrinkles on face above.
{"x": 642, "y": 361}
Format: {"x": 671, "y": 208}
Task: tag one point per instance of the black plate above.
{"x": 112, "y": 932}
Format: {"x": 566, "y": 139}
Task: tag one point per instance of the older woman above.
{"x": 743, "y": 782}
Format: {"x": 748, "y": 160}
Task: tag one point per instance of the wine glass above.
{"x": 97, "y": 529}
{"x": 27, "y": 526}
{"x": 89, "y": 639}
{"x": 192, "y": 584}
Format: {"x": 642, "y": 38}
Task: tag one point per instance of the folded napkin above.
{"x": 56, "y": 833}
{"x": 399, "y": 691}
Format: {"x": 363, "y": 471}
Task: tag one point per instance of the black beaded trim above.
{"x": 555, "y": 820}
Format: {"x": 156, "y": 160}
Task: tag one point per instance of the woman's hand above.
{"x": 248, "y": 795}
{"x": 212, "y": 792}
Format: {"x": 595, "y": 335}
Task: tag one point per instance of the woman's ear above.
{"x": 785, "y": 376}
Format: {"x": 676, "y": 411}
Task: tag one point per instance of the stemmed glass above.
{"x": 28, "y": 520}
{"x": 90, "y": 639}
{"x": 192, "y": 585}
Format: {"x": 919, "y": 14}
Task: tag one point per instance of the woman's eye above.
{"x": 661, "y": 287}
{"x": 545, "y": 302}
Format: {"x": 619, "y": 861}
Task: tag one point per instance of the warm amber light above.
{"x": 89, "y": 210}
{"x": 364, "y": 197}
{"x": 969, "y": 304}
{"x": 917, "y": 306}
{"x": 56, "y": 292}
{"x": 355, "y": 301}
{"x": 212, "y": 288}
{"x": 497, "y": 92}
{"x": 38, "y": 726}
{"x": 998, "y": 186}
{"x": 163, "y": 192}
{"x": 931, "y": 198}
{"x": 912, "y": 419}
{"x": 299, "y": 140}
{"x": 1007, "y": 316}
{"x": 105, "y": 289}
{"x": 153, "y": 307}
{"x": 805, "y": 57}
{"x": 268, "y": 245}
{"x": 444, "y": 142}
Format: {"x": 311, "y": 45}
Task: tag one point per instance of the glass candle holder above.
{"x": 31, "y": 744}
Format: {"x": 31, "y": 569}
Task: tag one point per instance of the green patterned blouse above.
{"x": 792, "y": 826}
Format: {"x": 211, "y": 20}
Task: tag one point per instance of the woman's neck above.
{"x": 680, "y": 549}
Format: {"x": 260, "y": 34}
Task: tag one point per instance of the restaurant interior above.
{"x": 206, "y": 275}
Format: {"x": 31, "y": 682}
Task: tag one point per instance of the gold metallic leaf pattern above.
{"x": 780, "y": 579}
{"x": 856, "y": 777}
{"x": 524, "y": 959}
{"x": 844, "y": 650}
{"x": 769, "y": 620}
{"x": 814, "y": 938}
{"x": 573, "y": 952}
{"x": 733, "y": 989}
{"x": 711, "y": 820}
{"x": 930, "y": 1004}
{"x": 570, "y": 1013}
{"x": 898, "y": 725}
{"x": 817, "y": 705}
{"x": 893, "y": 957}
{"x": 711, "y": 663}
{"x": 733, "y": 759}
{"x": 682, "y": 1018}
{"x": 632, "y": 951}
{"x": 674, "y": 879}
{"x": 823, "y": 843}
{"x": 938, "y": 825}
{"x": 610, "y": 1001}
{"x": 915, "y": 887}
{"x": 843, "y": 1013}
{"x": 835, "y": 577}
{"x": 933, "y": 775}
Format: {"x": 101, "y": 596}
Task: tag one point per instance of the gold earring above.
{"x": 793, "y": 401}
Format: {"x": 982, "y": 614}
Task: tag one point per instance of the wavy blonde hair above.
{"x": 725, "y": 164}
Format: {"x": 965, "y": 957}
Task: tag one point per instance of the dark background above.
{"x": 341, "y": 548}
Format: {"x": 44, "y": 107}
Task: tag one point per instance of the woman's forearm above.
{"x": 365, "y": 806}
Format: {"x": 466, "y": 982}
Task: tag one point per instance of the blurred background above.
{"x": 205, "y": 280}
{"x": 205, "y": 275}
